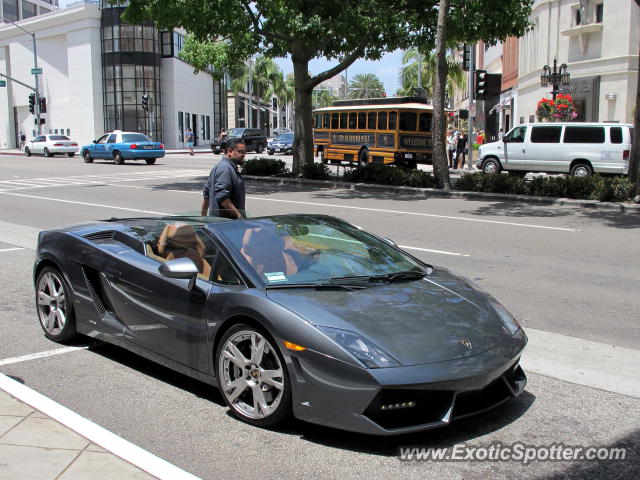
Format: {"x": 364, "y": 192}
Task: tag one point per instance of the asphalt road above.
{"x": 568, "y": 271}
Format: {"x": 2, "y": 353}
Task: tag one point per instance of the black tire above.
{"x": 71, "y": 154}
{"x": 54, "y": 303}
{"x": 27, "y": 152}
{"x": 240, "y": 335}
{"x": 491, "y": 165}
{"x": 150, "y": 161}
{"x": 260, "y": 148}
{"x": 271, "y": 152}
{"x": 581, "y": 170}
{"x": 217, "y": 151}
{"x": 117, "y": 158}
{"x": 47, "y": 153}
{"x": 363, "y": 158}
{"x": 87, "y": 157}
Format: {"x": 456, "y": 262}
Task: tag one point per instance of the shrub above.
{"x": 388, "y": 175}
{"x": 316, "y": 171}
{"x": 265, "y": 167}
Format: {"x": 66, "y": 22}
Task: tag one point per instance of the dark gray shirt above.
{"x": 224, "y": 182}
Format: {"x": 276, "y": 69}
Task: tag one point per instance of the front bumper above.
{"x": 415, "y": 398}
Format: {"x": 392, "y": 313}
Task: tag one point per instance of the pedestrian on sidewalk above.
{"x": 452, "y": 141}
{"x": 23, "y": 140}
{"x": 188, "y": 139}
{"x": 223, "y": 193}
{"x": 461, "y": 147}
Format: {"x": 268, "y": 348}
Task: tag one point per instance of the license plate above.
{"x": 149, "y": 147}
{"x": 408, "y": 155}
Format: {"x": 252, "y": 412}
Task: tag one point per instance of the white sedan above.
{"x": 49, "y": 145}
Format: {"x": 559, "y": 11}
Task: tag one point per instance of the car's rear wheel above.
{"x": 150, "y": 161}
{"x": 581, "y": 170}
{"x": 70, "y": 154}
{"x": 27, "y": 152}
{"x": 117, "y": 158}
{"x": 87, "y": 157}
{"x": 47, "y": 153}
{"x": 55, "y": 306}
{"x": 252, "y": 376}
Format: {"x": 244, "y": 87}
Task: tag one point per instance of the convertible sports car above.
{"x": 293, "y": 314}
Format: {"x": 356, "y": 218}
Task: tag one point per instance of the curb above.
{"x": 432, "y": 192}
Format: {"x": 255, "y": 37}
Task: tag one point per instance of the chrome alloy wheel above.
{"x": 52, "y": 303}
{"x": 251, "y": 375}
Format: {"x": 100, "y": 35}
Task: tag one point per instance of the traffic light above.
{"x": 145, "y": 101}
{"x": 43, "y": 105}
{"x": 32, "y": 103}
{"x": 35, "y": 120}
{"x": 480, "y": 85}
{"x": 466, "y": 57}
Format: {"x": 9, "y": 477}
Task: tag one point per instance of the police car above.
{"x": 120, "y": 146}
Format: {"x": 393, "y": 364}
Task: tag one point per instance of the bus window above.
{"x": 325, "y": 120}
{"x": 352, "y": 120}
{"x": 317, "y": 120}
{"x": 393, "y": 120}
{"x": 408, "y": 121}
{"x": 382, "y": 121}
{"x": 343, "y": 120}
{"x": 362, "y": 120}
{"x": 372, "y": 120}
{"x": 424, "y": 124}
{"x": 334, "y": 121}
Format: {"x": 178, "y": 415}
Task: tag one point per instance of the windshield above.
{"x": 134, "y": 137}
{"x": 236, "y": 132}
{"x": 58, "y": 137}
{"x": 286, "y": 137}
{"x": 312, "y": 249}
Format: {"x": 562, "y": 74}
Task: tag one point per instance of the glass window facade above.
{"x": 10, "y": 9}
{"x": 29, "y": 10}
{"x": 131, "y": 68}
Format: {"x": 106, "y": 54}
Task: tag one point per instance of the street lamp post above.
{"x": 35, "y": 66}
{"x": 555, "y": 77}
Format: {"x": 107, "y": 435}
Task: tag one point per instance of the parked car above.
{"x": 575, "y": 148}
{"x": 282, "y": 144}
{"x": 50, "y": 145}
{"x": 121, "y": 146}
{"x": 303, "y": 315}
{"x": 253, "y": 138}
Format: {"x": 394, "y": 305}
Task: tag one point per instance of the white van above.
{"x": 575, "y": 148}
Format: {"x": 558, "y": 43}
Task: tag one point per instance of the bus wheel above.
{"x": 363, "y": 158}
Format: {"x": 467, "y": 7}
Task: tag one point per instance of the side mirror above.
{"x": 183, "y": 268}
{"x": 95, "y": 141}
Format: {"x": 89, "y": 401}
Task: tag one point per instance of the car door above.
{"x": 543, "y": 151}
{"x": 37, "y": 144}
{"x": 514, "y": 148}
{"x": 98, "y": 148}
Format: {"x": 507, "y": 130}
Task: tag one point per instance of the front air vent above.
{"x": 108, "y": 234}
{"x": 94, "y": 285}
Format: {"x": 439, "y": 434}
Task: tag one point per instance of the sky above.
{"x": 387, "y": 68}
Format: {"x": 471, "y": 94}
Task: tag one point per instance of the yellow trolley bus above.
{"x": 382, "y": 131}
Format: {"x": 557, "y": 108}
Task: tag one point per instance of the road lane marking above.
{"x": 85, "y": 203}
{"x": 120, "y": 447}
{"x": 35, "y": 356}
{"x": 406, "y": 247}
{"x": 401, "y": 212}
{"x": 13, "y": 249}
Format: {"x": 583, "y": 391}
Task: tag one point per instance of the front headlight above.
{"x": 509, "y": 321}
{"x": 288, "y": 145}
{"x": 367, "y": 352}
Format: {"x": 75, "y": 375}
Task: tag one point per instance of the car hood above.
{"x": 416, "y": 322}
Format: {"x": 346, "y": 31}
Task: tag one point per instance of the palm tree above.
{"x": 322, "y": 97}
{"x": 262, "y": 74}
{"x": 281, "y": 88}
{"x": 409, "y": 73}
{"x": 365, "y": 85}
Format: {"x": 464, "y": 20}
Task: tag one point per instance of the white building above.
{"x": 95, "y": 71}
{"x": 598, "y": 41}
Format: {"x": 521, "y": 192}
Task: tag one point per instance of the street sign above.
{"x": 36, "y": 71}
{"x": 3, "y": 83}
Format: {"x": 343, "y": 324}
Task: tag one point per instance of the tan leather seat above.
{"x": 264, "y": 250}
{"x": 179, "y": 240}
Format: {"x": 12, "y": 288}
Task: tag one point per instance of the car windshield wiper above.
{"x": 317, "y": 286}
{"x": 386, "y": 277}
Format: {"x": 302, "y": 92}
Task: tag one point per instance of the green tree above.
{"x": 365, "y": 85}
{"x": 323, "y": 97}
{"x": 333, "y": 29}
{"x": 409, "y": 72}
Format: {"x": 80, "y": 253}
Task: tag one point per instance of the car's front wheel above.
{"x": 87, "y": 157}
{"x": 491, "y": 166}
{"x": 27, "y": 151}
{"x": 271, "y": 152}
{"x": 150, "y": 161}
{"x": 47, "y": 153}
{"x": 252, "y": 376}
{"x": 55, "y": 306}
{"x": 117, "y": 158}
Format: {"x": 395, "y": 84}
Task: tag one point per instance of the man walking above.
{"x": 461, "y": 150}
{"x": 223, "y": 194}
{"x": 188, "y": 139}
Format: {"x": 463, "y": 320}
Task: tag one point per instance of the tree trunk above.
{"x": 303, "y": 130}
{"x": 634, "y": 159}
{"x": 440, "y": 160}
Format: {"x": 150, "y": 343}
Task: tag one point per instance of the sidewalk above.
{"x": 35, "y": 446}
{"x": 181, "y": 151}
